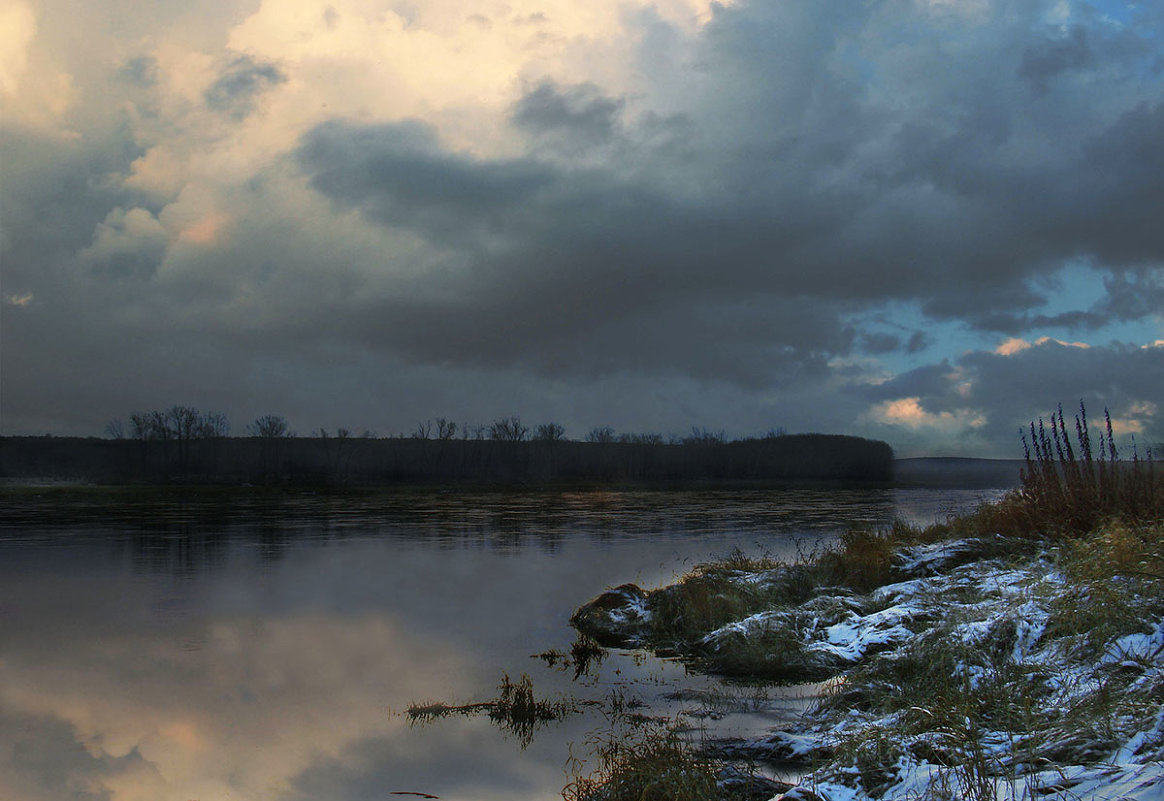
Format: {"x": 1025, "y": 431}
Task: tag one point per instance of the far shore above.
{"x": 925, "y": 472}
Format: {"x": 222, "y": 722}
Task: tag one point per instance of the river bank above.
{"x": 1013, "y": 653}
{"x": 977, "y": 671}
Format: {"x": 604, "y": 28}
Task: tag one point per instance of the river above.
{"x": 270, "y": 654}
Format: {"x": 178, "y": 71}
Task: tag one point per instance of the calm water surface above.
{"x": 269, "y": 653}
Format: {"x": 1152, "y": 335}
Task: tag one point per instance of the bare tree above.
{"x": 508, "y": 429}
{"x": 214, "y": 426}
{"x": 182, "y": 424}
{"x": 269, "y": 426}
{"x": 423, "y": 430}
{"x": 115, "y": 429}
{"x": 647, "y": 438}
{"x": 141, "y": 426}
{"x": 473, "y": 431}
{"x": 446, "y": 429}
{"x": 601, "y": 434}
{"x": 175, "y": 428}
{"x": 159, "y": 428}
{"x": 549, "y": 432}
{"x": 701, "y": 436}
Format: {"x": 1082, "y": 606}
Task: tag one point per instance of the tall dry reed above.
{"x": 1071, "y": 489}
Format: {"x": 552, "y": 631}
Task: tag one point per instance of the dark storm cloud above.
{"x": 1134, "y": 294}
{"x": 930, "y": 383}
{"x": 724, "y": 215}
{"x": 572, "y": 270}
{"x": 807, "y": 181}
{"x": 54, "y": 193}
{"x": 878, "y": 342}
{"x": 918, "y": 341}
{"x": 578, "y": 116}
{"x": 396, "y": 174}
{"x": 1008, "y": 323}
{"x": 1042, "y": 61}
{"x": 239, "y": 86}
{"x": 1121, "y": 222}
{"x": 1116, "y": 375}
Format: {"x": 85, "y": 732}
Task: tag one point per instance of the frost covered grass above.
{"x": 1000, "y": 677}
{"x": 1003, "y": 696}
{"x": 1013, "y": 653}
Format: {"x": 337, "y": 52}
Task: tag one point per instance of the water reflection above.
{"x": 267, "y": 651}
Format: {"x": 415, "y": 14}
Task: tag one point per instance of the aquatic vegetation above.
{"x": 585, "y": 656}
{"x": 646, "y": 764}
{"x": 516, "y": 710}
{"x": 643, "y": 759}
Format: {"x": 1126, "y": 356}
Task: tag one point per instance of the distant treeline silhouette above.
{"x": 181, "y": 444}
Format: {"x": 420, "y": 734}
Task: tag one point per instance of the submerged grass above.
{"x": 650, "y": 762}
{"x": 585, "y": 656}
{"x": 516, "y": 710}
{"x": 639, "y": 758}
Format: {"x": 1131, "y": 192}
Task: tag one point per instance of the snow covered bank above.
{"x": 978, "y": 671}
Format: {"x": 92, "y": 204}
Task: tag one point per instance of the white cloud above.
{"x": 1015, "y": 345}
{"x": 17, "y": 29}
{"x": 908, "y": 412}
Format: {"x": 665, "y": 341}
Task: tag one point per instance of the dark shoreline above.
{"x": 410, "y": 461}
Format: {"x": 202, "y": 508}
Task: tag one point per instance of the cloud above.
{"x": 908, "y": 412}
{"x": 571, "y": 118}
{"x": 127, "y": 242}
{"x": 141, "y": 71}
{"x": 1043, "y": 61}
{"x": 880, "y": 343}
{"x": 1016, "y": 345}
{"x": 987, "y": 396}
{"x": 726, "y": 197}
{"x": 397, "y": 174}
{"x": 241, "y": 83}
{"x": 17, "y": 29}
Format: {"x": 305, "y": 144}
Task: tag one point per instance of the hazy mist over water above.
{"x": 271, "y": 656}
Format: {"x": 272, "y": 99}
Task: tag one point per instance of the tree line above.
{"x": 186, "y": 423}
{"x": 184, "y": 444}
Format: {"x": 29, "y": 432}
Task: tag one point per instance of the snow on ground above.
{"x": 977, "y": 674}
{"x": 980, "y": 608}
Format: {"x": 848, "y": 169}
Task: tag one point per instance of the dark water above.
{"x": 269, "y": 653}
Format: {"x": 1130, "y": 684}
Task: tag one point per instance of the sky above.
{"x": 924, "y": 221}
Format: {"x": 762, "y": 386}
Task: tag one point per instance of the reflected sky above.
{"x": 189, "y": 661}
